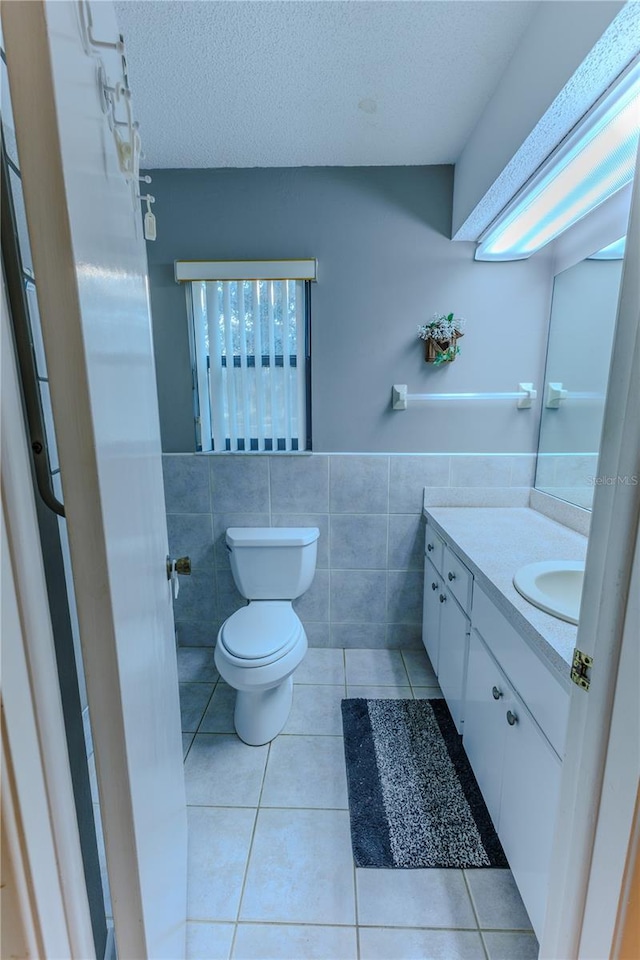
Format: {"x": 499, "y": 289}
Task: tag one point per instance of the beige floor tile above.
{"x": 222, "y": 771}
{"x": 414, "y": 898}
{"x": 378, "y": 667}
{"x": 219, "y": 841}
{"x": 378, "y": 943}
{"x": 300, "y": 869}
{"x": 511, "y": 946}
{"x": 428, "y": 693}
{"x": 306, "y": 772}
{"x": 209, "y": 941}
{"x": 421, "y": 673}
{"x": 321, "y": 665}
{"x": 316, "y": 710}
{"x": 497, "y": 900}
{"x": 371, "y": 692}
{"x": 219, "y": 715}
{"x": 256, "y": 941}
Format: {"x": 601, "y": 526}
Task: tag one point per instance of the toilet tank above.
{"x": 272, "y": 563}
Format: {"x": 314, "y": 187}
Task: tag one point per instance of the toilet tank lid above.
{"x": 271, "y": 536}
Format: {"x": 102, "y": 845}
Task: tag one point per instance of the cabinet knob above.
{"x": 434, "y": 586}
{"x": 497, "y": 693}
{"x": 511, "y": 718}
{"x": 442, "y": 597}
{"x": 429, "y": 547}
{"x": 451, "y": 576}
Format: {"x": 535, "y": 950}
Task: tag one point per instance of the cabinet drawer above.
{"x": 457, "y": 579}
{"x": 433, "y": 547}
{"x": 536, "y": 685}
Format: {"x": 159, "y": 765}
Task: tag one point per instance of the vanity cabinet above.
{"x": 510, "y": 708}
{"x": 514, "y": 762}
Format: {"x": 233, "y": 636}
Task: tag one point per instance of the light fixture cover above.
{"x": 595, "y": 161}
{"x": 613, "y": 251}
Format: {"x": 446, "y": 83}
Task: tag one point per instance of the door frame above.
{"x": 601, "y": 768}
{"x": 47, "y": 907}
{"x": 90, "y": 263}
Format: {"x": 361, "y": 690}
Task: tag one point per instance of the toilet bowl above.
{"x": 260, "y": 645}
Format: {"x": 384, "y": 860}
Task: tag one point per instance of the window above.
{"x": 249, "y": 340}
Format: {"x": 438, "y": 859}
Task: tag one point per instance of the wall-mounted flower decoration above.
{"x": 440, "y": 337}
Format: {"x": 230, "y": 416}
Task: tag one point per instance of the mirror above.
{"x": 583, "y": 316}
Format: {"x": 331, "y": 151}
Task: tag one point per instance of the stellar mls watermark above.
{"x": 627, "y": 480}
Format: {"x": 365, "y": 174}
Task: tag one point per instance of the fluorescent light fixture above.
{"x": 596, "y": 160}
{"x": 614, "y": 251}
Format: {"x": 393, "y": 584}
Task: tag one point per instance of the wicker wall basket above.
{"x": 433, "y": 348}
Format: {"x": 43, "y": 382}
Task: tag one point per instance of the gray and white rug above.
{"x": 413, "y": 798}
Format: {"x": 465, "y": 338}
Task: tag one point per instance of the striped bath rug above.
{"x": 413, "y": 798}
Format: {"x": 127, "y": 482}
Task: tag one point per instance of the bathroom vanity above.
{"x": 503, "y": 666}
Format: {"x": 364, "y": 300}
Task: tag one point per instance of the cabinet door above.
{"x": 431, "y": 613}
{"x": 485, "y": 729}
{"x": 452, "y": 655}
{"x": 530, "y": 788}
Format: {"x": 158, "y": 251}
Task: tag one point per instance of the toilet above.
{"x": 260, "y": 645}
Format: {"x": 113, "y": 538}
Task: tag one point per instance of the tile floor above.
{"x": 271, "y": 875}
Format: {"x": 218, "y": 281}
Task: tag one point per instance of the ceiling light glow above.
{"x": 614, "y": 251}
{"x": 596, "y": 161}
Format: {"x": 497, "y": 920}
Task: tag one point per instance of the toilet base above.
{"x": 260, "y": 716}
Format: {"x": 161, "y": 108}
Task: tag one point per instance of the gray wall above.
{"x": 367, "y": 591}
{"x": 385, "y": 264}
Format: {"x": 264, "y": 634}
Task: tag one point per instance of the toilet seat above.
{"x": 261, "y": 633}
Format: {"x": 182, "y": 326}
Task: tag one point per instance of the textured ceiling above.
{"x": 267, "y": 83}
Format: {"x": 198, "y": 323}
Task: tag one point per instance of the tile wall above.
{"x": 367, "y": 591}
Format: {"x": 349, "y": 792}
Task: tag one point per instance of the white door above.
{"x": 90, "y": 264}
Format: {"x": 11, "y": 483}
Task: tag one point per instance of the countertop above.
{"x": 494, "y": 542}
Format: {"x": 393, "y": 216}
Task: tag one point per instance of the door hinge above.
{"x": 582, "y": 664}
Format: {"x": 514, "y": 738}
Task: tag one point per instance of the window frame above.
{"x": 212, "y": 272}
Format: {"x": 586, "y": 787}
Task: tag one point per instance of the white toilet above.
{"x": 260, "y": 645}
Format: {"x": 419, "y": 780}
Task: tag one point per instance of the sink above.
{"x": 554, "y": 586}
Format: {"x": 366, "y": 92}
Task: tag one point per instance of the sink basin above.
{"x": 554, "y": 586}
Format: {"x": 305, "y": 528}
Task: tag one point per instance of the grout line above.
{"x": 413, "y": 693}
{"x": 471, "y": 900}
{"x": 232, "y": 733}
{"x": 253, "y": 834}
{"x": 235, "y": 806}
{"x": 193, "y": 736}
{"x": 347, "y": 926}
{"x": 197, "y": 730}
{"x": 484, "y": 945}
{"x": 404, "y": 664}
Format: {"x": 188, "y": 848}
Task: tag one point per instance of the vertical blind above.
{"x": 250, "y": 350}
